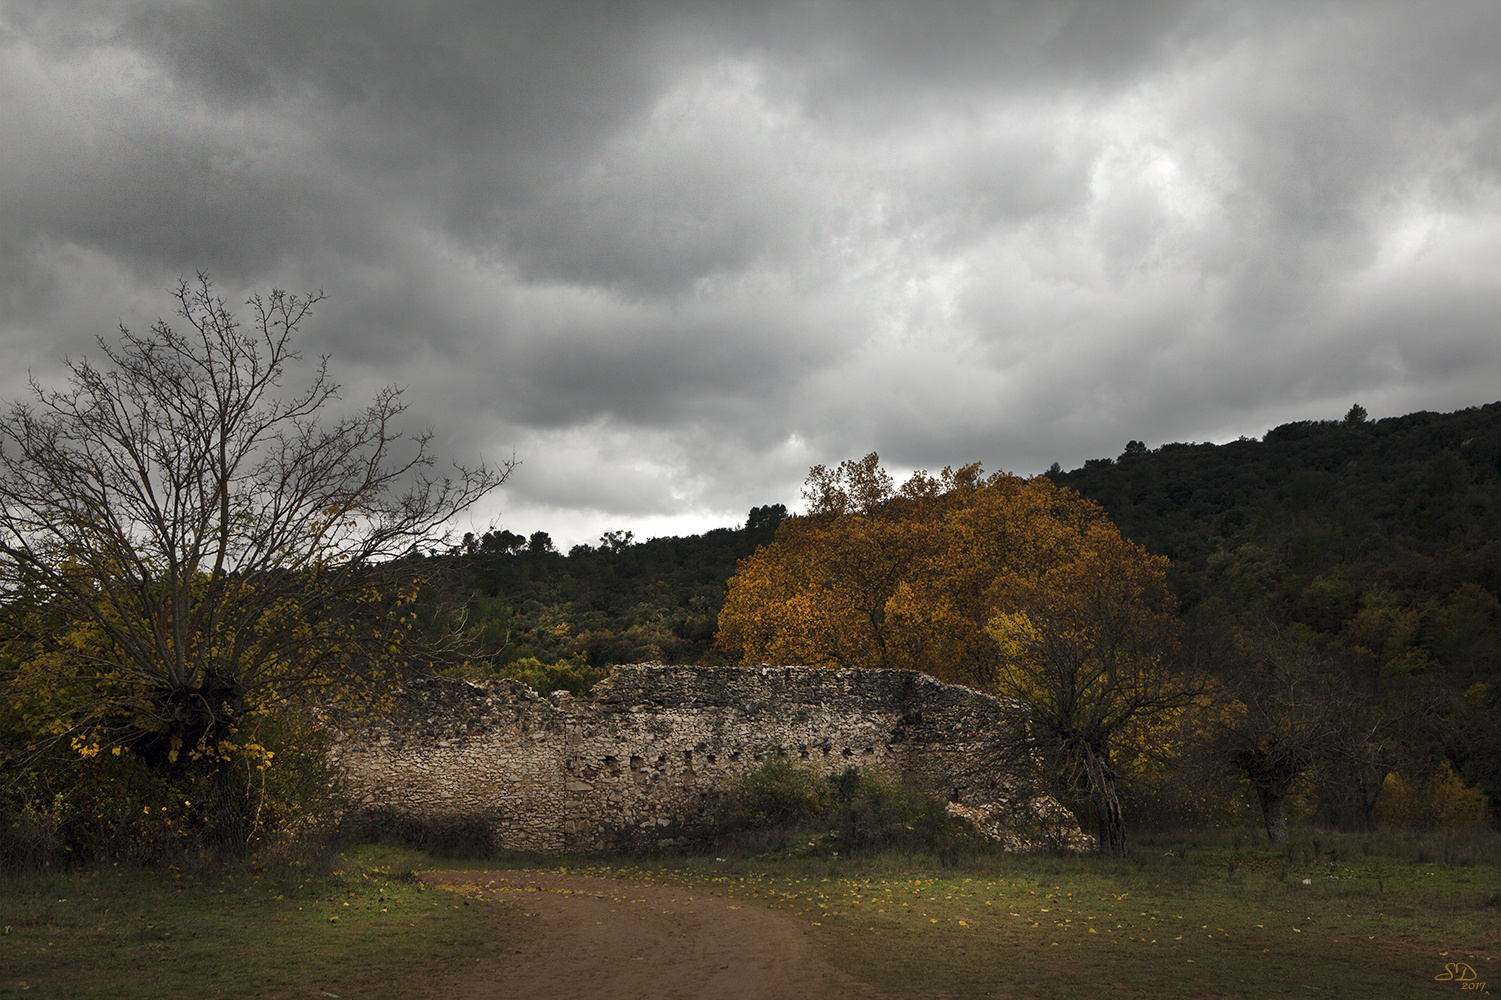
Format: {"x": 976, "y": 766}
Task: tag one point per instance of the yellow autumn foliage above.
{"x": 924, "y": 577}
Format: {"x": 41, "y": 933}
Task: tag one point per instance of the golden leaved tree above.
{"x": 1087, "y": 643}
{"x": 1015, "y": 586}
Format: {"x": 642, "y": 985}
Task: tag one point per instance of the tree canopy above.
{"x": 1016, "y": 586}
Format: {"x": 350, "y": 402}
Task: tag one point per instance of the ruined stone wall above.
{"x": 638, "y": 760}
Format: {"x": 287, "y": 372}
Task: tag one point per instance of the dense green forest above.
{"x": 526, "y": 606}
{"x": 1339, "y": 577}
{"x": 1367, "y": 554}
{"x": 1314, "y": 519}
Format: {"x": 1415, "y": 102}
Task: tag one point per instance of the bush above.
{"x": 1442, "y": 802}
{"x": 65, "y": 809}
{"x": 872, "y": 812}
{"x": 81, "y": 804}
{"x": 781, "y": 805}
{"x": 573, "y": 676}
{"x": 30, "y": 840}
{"x": 470, "y": 836}
{"x": 776, "y": 794}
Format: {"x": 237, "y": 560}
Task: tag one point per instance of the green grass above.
{"x": 369, "y": 929}
{"x": 1179, "y": 919}
{"x": 1183, "y": 917}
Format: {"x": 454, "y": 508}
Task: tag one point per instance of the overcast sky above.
{"x": 673, "y": 254}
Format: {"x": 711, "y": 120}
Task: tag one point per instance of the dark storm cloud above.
{"x": 674, "y": 253}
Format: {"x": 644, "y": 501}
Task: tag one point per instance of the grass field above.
{"x": 361, "y": 930}
{"x": 1333, "y": 915}
{"x": 1177, "y": 920}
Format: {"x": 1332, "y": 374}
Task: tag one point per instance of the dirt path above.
{"x": 621, "y": 940}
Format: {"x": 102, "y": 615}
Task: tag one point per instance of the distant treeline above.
{"x": 1383, "y": 537}
{"x": 619, "y": 602}
{"x": 1313, "y": 524}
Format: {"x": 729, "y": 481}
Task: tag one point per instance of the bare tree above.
{"x": 1276, "y": 718}
{"x": 1289, "y": 709}
{"x": 187, "y": 546}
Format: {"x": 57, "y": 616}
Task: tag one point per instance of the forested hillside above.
{"x": 1367, "y": 551}
{"x": 1340, "y": 577}
{"x": 1384, "y": 535}
{"x": 1411, "y": 502}
{"x": 620, "y": 602}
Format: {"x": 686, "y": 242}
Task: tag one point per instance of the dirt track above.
{"x": 621, "y": 940}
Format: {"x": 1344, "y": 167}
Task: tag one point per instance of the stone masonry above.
{"x": 640, "y": 759}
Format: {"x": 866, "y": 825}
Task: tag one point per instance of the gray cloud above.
{"x": 674, "y": 253}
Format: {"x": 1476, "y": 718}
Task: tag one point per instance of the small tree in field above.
{"x": 183, "y": 546}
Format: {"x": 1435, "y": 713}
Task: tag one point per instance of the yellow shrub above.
{"x": 1443, "y": 801}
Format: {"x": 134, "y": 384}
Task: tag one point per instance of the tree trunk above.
{"x": 1111, "y": 825}
{"x": 1370, "y": 794}
{"x": 1274, "y": 813}
{"x": 226, "y": 828}
{"x": 1272, "y": 767}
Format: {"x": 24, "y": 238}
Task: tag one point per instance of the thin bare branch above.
{"x": 195, "y": 542}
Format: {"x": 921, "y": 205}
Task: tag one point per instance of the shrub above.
{"x": 1443, "y": 801}
{"x": 30, "y": 840}
{"x": 470, "y": 836}
{"x": 781, "y": 804}
{"x": 776, "y": 794}
{"x": 80, "y": 804}
{"x": 574, "y": 676}
{"x": 872, "y": 812}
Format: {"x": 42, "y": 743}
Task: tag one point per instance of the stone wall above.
{"x": 639, "y": 760}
